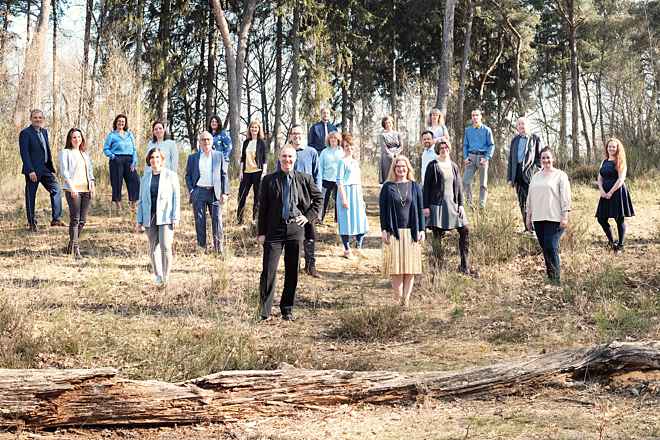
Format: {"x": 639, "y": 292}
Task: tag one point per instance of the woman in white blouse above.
{"x": 548, "y": 205}
{"x": 167, "y": 146}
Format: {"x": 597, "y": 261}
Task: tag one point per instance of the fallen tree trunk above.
{"x": 59, "y": 398}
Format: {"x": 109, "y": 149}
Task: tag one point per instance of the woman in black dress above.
{"x": 614, "y": 197}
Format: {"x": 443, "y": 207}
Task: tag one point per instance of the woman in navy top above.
{"x": 614, "y": 197}
{"x": 402, "y": 226}
{"x": 121, "y": 151}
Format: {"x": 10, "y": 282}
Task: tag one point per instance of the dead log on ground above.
{"x": 59, "y": 398}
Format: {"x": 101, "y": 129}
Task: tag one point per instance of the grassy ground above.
{"x": 103, "y": 311}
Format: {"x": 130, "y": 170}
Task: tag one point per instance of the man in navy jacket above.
{"x": 38, "y": 168}
{"x": 319, "y": 131}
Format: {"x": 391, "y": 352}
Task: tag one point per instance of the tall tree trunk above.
{"x": 29, "y": 87}
{"x": 210, "y": 69}
{"x": 345, "y": 105}
{"x": 563, "y": 113}
{"x": 295, "y": 55}
{"x": 89, "y": 10}
{"x": 235, "y": 61}
{"x": 139, "y": 37}
{"x": 162, "y": 67}
{"x": 4, "y": 33}
{"x": 516, "y": 71}
{"x": 447, "y": 60}
{"x": 584, "y": 124}
{"x": 198, "y": 97}
{"x": 423, "y": 97}
{"x": 55, "y": 119}
{"x": 465, "y": 62}
{"x": 100, "y": 32}
{"x": 279, "y": 78}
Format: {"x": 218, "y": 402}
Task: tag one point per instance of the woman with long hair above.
{"x": 159, "y": 212}
{"x": 160, "y": 139}
{"x": 351, "y": 211}
{"x": 390, "y": 145}
{"x": 614, "y": 199}
{"x": 221, "y": 139}
{"x": 254, "y": 164}
{"x": 78, "y": 174}
{"x": 548, "y": 205}
{"x": 402, "y": 228}
{"x": 436, "y": 125}
{"x": 121, "y": 150}
{"x": 328, "y": 162}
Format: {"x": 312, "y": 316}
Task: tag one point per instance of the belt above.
{"x": 204, "y": 187}
{"x": 477, "y": 153}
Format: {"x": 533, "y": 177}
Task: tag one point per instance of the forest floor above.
{"x": 104, "y": 311}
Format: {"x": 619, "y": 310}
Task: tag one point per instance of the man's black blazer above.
{"x": 532, "y": 162}
{"x": 270, "y": 200}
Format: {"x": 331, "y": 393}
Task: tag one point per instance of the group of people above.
{"x": 292, "y": 200}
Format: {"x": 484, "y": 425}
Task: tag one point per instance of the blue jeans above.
{"x": 548, "y": 234}
{"x": 203, "y": 199}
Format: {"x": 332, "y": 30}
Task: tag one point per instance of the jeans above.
{"x": 120, "y": 171}
{"x": 289, "y": 242}
{"x": 48, "y": 181}
{"x": 548, "y": 235}
{"x": 160, "y": 249}
{"x": 470, "y": 169}
{"x": 78, "y": 208}
{"x": 329, "y": 191}
{"x": 203, "y": 199}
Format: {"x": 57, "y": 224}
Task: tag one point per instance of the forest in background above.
{"x": 582, "y": 70}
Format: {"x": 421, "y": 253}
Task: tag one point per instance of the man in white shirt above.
{"x": 429, "y": 154}
{"x": 208, "y": 185}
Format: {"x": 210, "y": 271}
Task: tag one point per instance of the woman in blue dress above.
{"x": 351, "y": 211}
{"x": 614, "y": 197}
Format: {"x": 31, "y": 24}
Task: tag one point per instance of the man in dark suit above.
{"x": 524, "y": 162}
{"x": 208, "y": 185}
{"x": 38, "y": 168}
{"x": 289, "y": 200}
{"x": 318, "y": 132}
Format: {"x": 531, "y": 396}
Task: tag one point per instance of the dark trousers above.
{"x": 463, "y": 244}
{"x": 250, "y": 180}
{"x": 203, "y": 199}
{"x": 522, "y": 188}
{"x": 346, "y": 241}
{"x": 329, "y": 191}
{"x": 548, "y": 234}
{"x": 289, "y": 241}
{"x": 78, "y": 208}
{"x": 120, "y": 171}
{"x": 620, "y": 229}
{"x": 309, "y": 244}
{"x": 48, "y": 181}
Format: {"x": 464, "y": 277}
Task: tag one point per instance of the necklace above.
{"x": 402, "y": 199}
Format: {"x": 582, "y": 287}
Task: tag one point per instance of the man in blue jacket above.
{"x": 208, "y": 186}
{"x": 318, "y": 133}
{"x": 38, "y": 168}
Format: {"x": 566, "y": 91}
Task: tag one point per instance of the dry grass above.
{"x": 103, "y": 311}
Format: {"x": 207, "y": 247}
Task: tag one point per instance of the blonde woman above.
{"x": 436, "y": 125}
{"x": 402, "y": 226}
{"x": 254, "y": 165}
{"x": 328, "y": 162}
{"x": 351, "y": 212}
{"x": 614, "y": 199}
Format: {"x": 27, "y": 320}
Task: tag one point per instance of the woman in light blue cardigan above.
{"x": 159, "y": 211}
{"x": 78, "y": 182}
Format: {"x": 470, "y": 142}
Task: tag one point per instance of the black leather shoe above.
{"x": 57, "y": 222}
{"x": 288, "y": 317}
{"x": 311, "y": 271}
{"x": 33, "y": 227}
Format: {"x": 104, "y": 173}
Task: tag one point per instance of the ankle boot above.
{"x": 310, "y": 259}
{"x": 69, "y": 248}
{"x": 76, "y": 250}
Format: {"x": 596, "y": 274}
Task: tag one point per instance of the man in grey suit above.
{"x": 524, "y": 162}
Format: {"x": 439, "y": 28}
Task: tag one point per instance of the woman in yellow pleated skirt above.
{"x": 402, "y": 226}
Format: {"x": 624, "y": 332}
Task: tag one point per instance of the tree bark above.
{"x": 60, "y": 398}
{"x": 55, "y": 118}
{"x": 89, "y": 11}
{"x": 563, "y": 111}
{"x": 460, "y": 121}
{"x": 585, "y": 133}
{"x": 235, "y": 61}
{"x": 4, "y": 35}
{"x": 295, "y": 55}
{"x": 210, "y": 70}
{"x": 162, "y": 69}
{"x": 29, "y": 87}
{"x": 139, "y": 37}
{"x": 279, "y": 78}
{"x": 447, "y": 60}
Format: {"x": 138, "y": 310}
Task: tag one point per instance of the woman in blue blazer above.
{"x": 159, "y": 211}
{"x": 78, "y": 174}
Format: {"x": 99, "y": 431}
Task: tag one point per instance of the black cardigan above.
{"x": 388, "y": 219}
{"x": 261, "y": 153}
{"x": 434, "y": 185}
